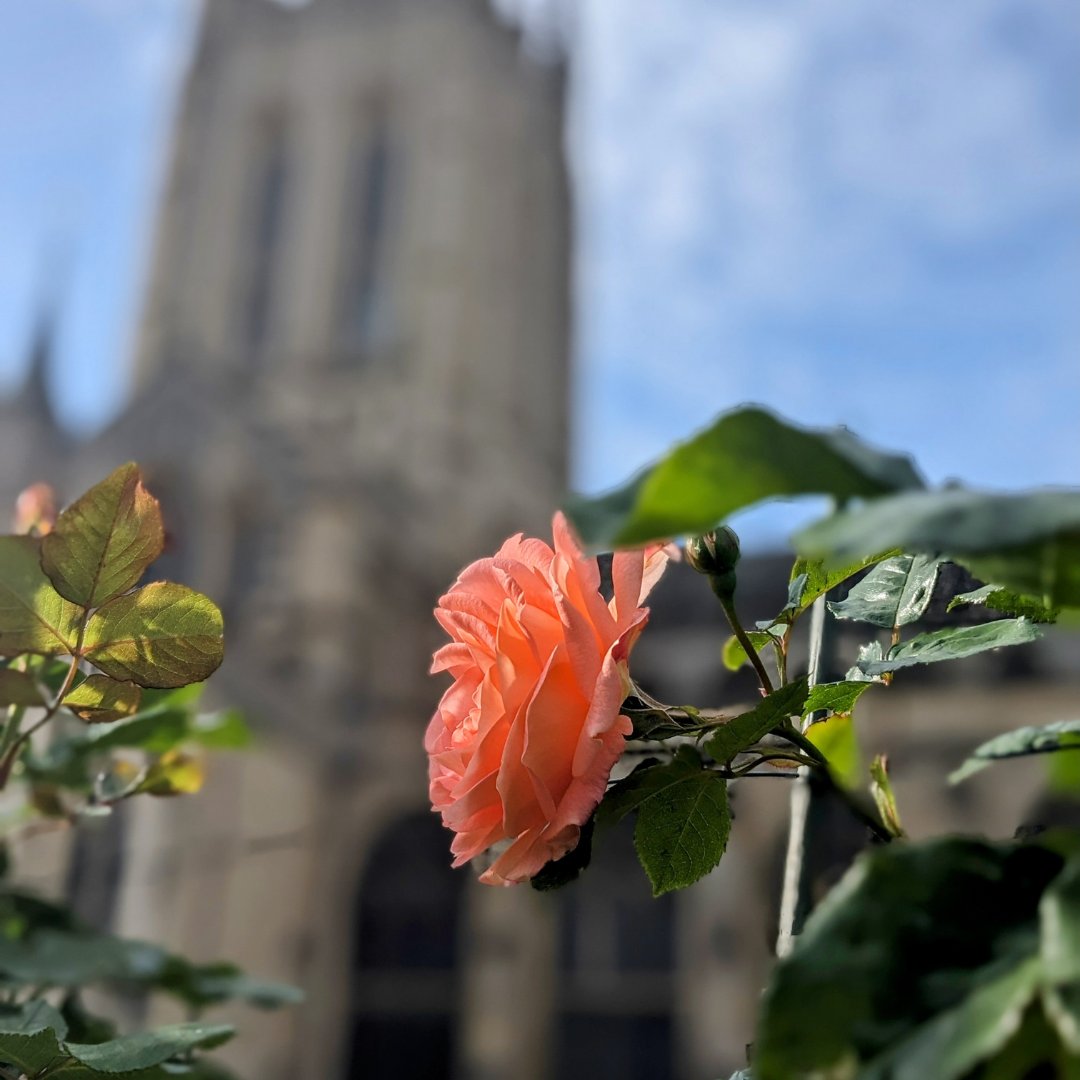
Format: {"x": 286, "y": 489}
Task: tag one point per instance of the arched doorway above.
{"x": 405, "y": 962}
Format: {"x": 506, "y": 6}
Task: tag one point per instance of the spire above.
{"x": 33, "y": 399}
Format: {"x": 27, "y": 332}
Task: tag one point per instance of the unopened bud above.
{"x": 715, "y": 554}
{"x": 35, "y": 510}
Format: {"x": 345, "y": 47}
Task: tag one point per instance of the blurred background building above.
{"x": 352, "y": 376}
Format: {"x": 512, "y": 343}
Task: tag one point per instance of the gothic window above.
{"x": 405, "y": 960}
{"x": 616, "y": 960}
{"x": 363, "y": 316}
{"x": 269, "y": 192}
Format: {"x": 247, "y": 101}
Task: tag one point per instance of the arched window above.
{"x": 269, "y": 194}
{"x": 405, "y": 960}
{"x": 617, "y": 952}
{"x": 364, "y": 317}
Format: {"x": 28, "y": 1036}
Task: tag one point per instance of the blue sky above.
{"x": 864, "y": 213}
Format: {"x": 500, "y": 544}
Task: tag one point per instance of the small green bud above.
{"x": 715, "y": 553}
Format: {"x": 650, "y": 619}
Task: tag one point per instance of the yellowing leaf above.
{"x": 98, "y": 699}
{"x": 836, "y": 739}
{"x": 174, "y": 773}
{"x": 34, "y": 617}
{"x": 164, "y": 635}
{"x": 103, "y": 543}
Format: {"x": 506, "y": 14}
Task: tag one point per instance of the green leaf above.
{"x": 821, "y": 577}
{"x": 223, "y": 730}
{"x": 917, "y": 966}
{"x": 162, "y": 635}
{"x": 1061, "y": 735}
{"x": 683, "y": 819}
{"x": 734, "y": 655}
{"x": 30, "y": 1036}
{"x": 174, "y": 773}
{"x": 1059, "y": 926}
{"x": 835, "y": 737}
{"x": 99, "y": 699}
{"x": 34, "y": 617}
{"x": 211, "y": 984}
{"x": 746, "y": 456}
{"x": 744, "y": 731}
{"x": 148, "y": 1048}
{"x": 956, "y": 1040}
{"x": 835, "y": 697}
{"x": 682, "y": 831}
{"x": 102, "y": 544}
{"x": 953, "y": 643}
{"x": 870, "y": 653}
{"x": 1007, "y": 603}
{"x": 882, "y": 793}
{"x": 1027, "y": 543}
{"x": 19, "y": 688}
{"x": 896, "y": 592}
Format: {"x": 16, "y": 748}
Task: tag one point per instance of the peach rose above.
{"x": 521, "y": 746}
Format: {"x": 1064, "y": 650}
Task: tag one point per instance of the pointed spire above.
{"x": 33, "y": 399}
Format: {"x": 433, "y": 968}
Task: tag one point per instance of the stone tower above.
{"x": 351, "y": 378}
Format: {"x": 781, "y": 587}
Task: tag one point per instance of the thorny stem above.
{"x": 728, "y": 605}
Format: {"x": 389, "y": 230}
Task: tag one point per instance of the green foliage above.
{"x": 34, "y": 617}
{"x": 1027, "y": 543}
{"x": 923, "y": 963}
{"x": 74, "y": 595}
{"x": 1062, "y": 735}
{"x": 744, "y": 731}
{"x": 952, "y": 643}
{"x": 162, "y": 635}
{"x": 835, "y": 697}
{"x": 835, "y": 737}
{"x": 102, "y": 544}
{"x": 1007, "y": 603}
{"x": 896, "y": 592}
{"x": 734, "y": 655}
{"x": 99, "y": 699}
{"x": 683, "y": 819}
{"x": 882, "y": 793}
{"x": 820, "y": 577}
{"x": 745, "y": 457}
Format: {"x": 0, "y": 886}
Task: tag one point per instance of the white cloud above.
{"x": 763, "y": 180}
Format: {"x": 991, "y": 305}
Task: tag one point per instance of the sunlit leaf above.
{"x": 746, "y": 456}
{"x": 174, "y": 773}
{"x": 820, "y": 577}
{"x": 835, "y": 737}
{"x": 734, "y": 655}
{"x": 896, "y": 592}
{"x": 30, "y": 1036}
{"x": 163, "y": 635}
{"x": 1061, "y": 735}
{"x": 102, "y": 544}
{"x": 834, "y": 697}
{"x": 953, "y": 643}
{"x": 1007, "y": 603}
{"x": 34, "y": 617}
{"x": 1027, "y": 543}
{"x": 882, "y": 793}
{"x": 99, "y": 698}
